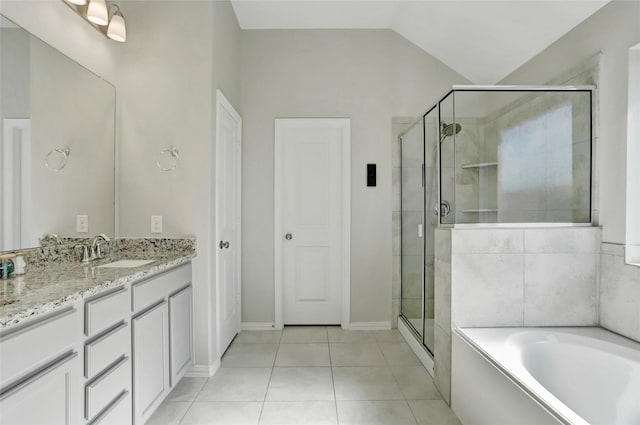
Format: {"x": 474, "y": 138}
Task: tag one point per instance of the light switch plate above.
{"x": 156, "y": 224}
{"x": 82, "y": 223}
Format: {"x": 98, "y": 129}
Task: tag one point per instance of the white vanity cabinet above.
{"x": 108, "y": 359}
{"x": 161, "y": 335}
{"x": 40, "y": 370}
{"x": 107, "y": 354}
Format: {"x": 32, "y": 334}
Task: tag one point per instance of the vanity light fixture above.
{"x": 97, "y": 12}
{"x": 117, "y": 29}
{"x": 106, "y": 18}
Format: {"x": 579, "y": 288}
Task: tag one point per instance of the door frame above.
{"x": 343, "y": 124}
{"x": 7, "y": 188}
{"x": 223, "y": 104}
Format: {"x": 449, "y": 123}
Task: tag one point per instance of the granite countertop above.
{"x": 44, "y": 289}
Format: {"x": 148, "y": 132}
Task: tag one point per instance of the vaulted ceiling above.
{"x": 482, "y": 40}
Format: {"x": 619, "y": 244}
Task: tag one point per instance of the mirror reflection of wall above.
{"x": 57, "y": 143}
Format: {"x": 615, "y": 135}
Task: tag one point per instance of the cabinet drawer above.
{"x": 105, "y": 311}
{"x": 99, "y": 393}
{"x": 33, "y": 345}
{"x": 100, "y": 353}
{"x": 118, "y": 413}
{"x": 152, "y": 290}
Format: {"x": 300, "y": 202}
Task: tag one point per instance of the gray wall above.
{"x": 176, "y": 56}
{"x": 14, "y": 68}
{"x": 369, "y": 76}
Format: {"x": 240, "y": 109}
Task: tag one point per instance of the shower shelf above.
{"x": 481, "y": 165}
{"x": 480, "y": 210}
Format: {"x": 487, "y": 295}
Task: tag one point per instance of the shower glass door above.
{"x": 430, "y": 221}
{"x": 412, "y": 246}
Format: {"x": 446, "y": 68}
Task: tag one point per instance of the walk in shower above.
{"x": 484, "y": 157}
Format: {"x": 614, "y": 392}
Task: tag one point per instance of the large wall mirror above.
{"x": 57, "y": 144}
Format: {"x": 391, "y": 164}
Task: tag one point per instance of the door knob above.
{"x": 288, "y": 236}
{"x": 224, "y": 244}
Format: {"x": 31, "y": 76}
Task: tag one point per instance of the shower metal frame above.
{"x": 438, "y": 163}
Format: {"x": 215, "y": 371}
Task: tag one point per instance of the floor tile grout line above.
{"x": 186, "y": 411}
{"x": 389, "y": 366}
{"x": 264, "y": 399}
{"x": 333, "y": 382}
{"x": 195, "y": 396}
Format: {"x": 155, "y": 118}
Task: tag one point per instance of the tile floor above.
{"x": 311, "y": 375}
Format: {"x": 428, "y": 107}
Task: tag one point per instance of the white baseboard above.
{"x": 370, "y": 326}
{"x": 258, "y": 326}
{"x": 203, "y": 371}
{"x": 417, "y": 347}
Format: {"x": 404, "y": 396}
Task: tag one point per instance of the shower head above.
{"x": 447, "y": 130}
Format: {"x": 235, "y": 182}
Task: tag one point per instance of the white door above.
{"x": 312, "y": 204}
{"x": 228, "y": 210}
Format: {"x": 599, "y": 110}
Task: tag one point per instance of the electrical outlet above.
{"x": 156, "y": 224}
{"x": 82, "y": 223}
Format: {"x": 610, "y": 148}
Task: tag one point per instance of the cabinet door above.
{"x": 51, "y": 396}
{"x": 150, "y": 360}
{"x": 180, "y": 319}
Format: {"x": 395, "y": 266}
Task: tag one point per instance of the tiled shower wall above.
{"x": 619, "y": 293}
{"x": 544, "y": 195}
{"x": 512, "y": 277}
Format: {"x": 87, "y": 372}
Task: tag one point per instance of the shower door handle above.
{"x": 420, "y": 230}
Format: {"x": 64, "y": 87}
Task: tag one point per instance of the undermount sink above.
{"x": 122, "y": 264}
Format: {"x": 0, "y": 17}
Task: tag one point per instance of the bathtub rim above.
{"x": 546, "y": 400}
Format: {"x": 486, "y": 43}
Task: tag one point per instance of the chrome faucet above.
{"x": 50, "y": 237}
{"x": 92, "y": 252}
{"x": 95, "y": 246}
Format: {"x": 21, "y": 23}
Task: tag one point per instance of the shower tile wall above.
{"x": 475, "y": 188}
{"x": 442, "y": 346}
{"x": 619, "y": 293}
{"x": 512, "y": 277}
{"x": 555, "y": 158}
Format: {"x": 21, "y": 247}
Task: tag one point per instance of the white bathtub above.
{"x": 545, "y": 375}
